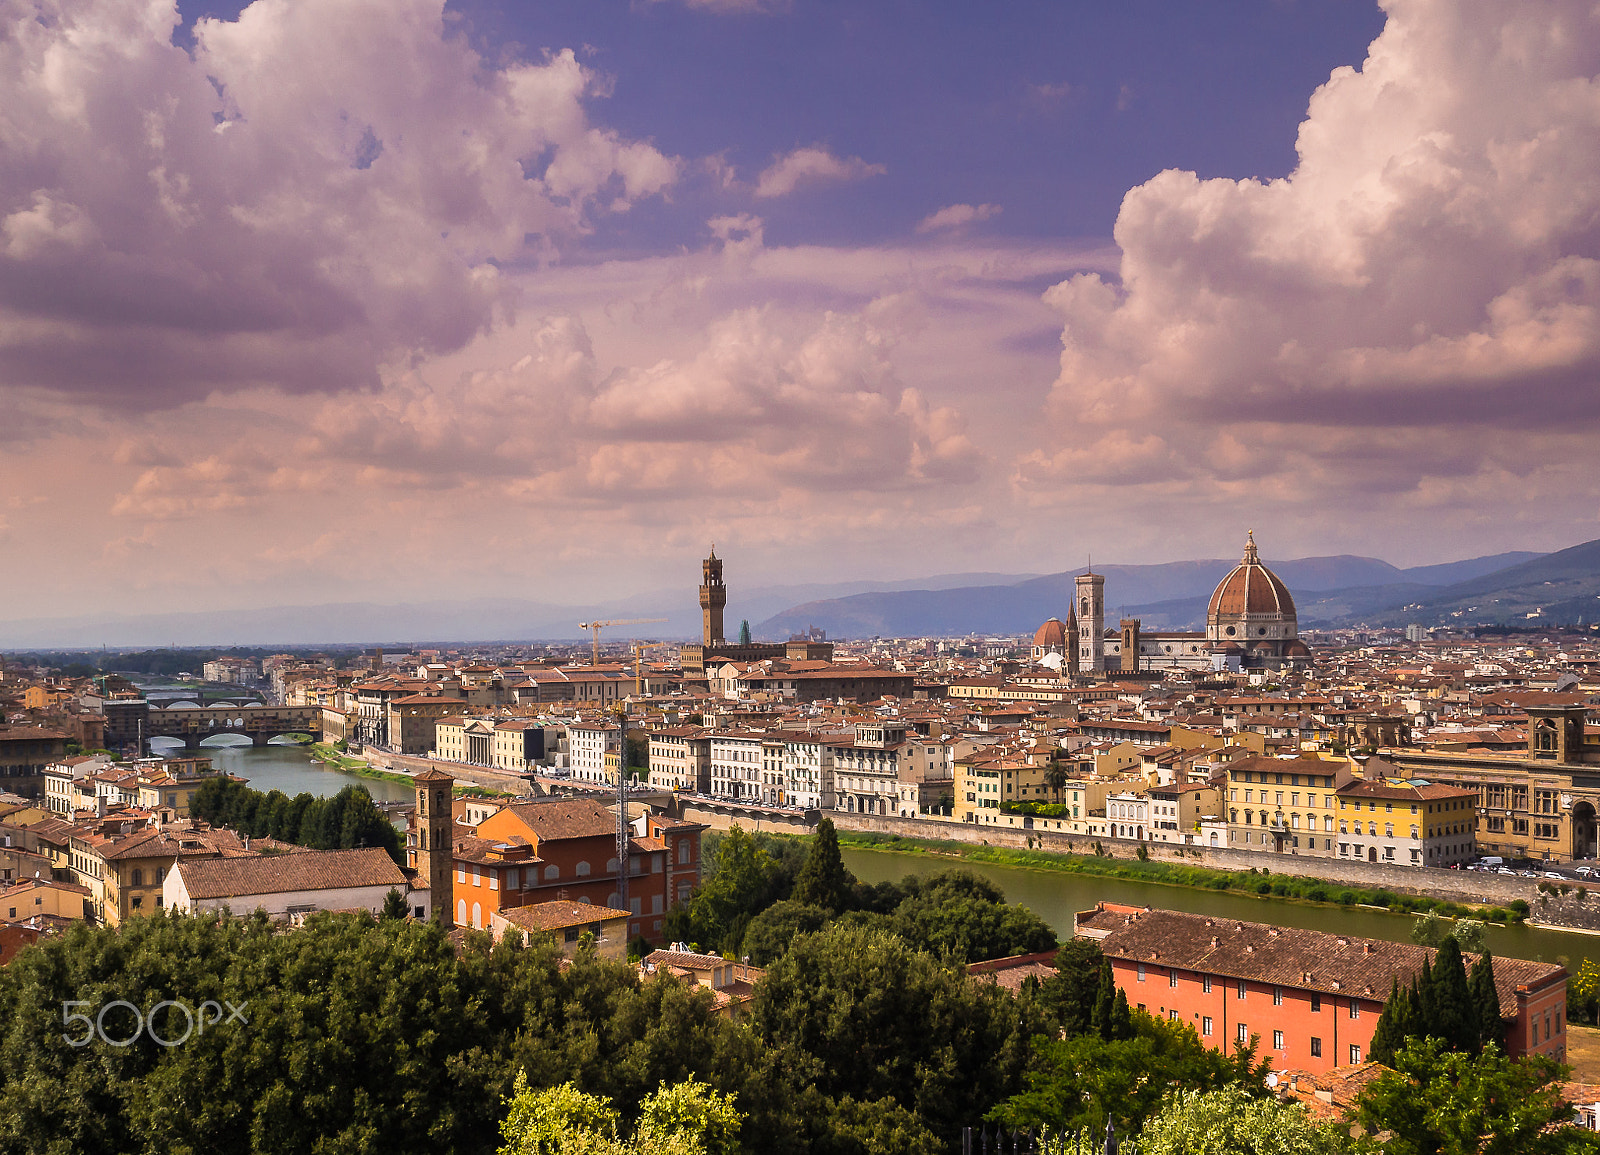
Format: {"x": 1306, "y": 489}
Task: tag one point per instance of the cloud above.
{"x": 1427, "y": 278}
{"x": 766, "y": 401}
{"x": 956, "y": 216}
{"x": 312, "y": 193}
{"x": 811, "y": 166}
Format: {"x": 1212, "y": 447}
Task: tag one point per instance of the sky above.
{"x": 308, "y": 301}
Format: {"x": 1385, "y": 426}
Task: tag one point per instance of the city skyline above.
{"x": 389, "y": 302}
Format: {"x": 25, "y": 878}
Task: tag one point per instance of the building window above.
{"x": 1355, "y": 1053}
{"x": 1243, "y": 1033}
{"x": 1316, "y": 1047}
{"x": 1241, "y": 988}
{"x": 1141, "y": 972}
{"x": 1172, "y": 978}
{"x": 1277, "y": 1040}
{"x": 1205, "y": 1026}
{"x": 1205, "y": 984}
{"x": 1172, "y": 1016}
{"x": 1277, "y": 996}
{"x": 1355, "y": 1011}
{"x": 1316, "y": 1003}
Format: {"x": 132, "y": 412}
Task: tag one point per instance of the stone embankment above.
{"x": 410, "y": 764}
{"x": 1455, "y": 885}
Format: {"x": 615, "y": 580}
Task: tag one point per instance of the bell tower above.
{"x": 713, "y": 596}
{"x": 1091, "y": 607}
{"x": 432, "y": 853}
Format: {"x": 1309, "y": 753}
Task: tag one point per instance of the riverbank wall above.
{"x": 1456, "y": 885}
{"x": 412, "y": 765}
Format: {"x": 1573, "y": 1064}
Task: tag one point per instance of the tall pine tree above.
{"x": 1104, "y": 1001}
{"x": 1121, "y": 1018}
{"x": 1454, "y": 1015}
{"x": 823, "y": 880}
{"x": 1389, "y": 1035}
{"x": 1486, "y": 1002}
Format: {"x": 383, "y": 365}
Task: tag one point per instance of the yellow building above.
{"x": 46, "y": 897}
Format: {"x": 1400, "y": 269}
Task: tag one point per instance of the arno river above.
{"x": 1055, "y": 897}
{"x": 282, "y": 767}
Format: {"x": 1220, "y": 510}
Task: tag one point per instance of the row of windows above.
{"x": 1240, "y": 988}
{"x": 1279, "y": 1043}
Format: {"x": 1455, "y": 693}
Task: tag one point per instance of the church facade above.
{"x": 1250, "y": 625}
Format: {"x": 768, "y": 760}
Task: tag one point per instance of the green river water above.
{"x": 1056, "y": 896}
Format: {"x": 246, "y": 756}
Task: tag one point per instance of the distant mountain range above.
{"x": 471, "y": 620}
{"x": 1506, "y": 588}
{"x": 1173, "y": 596}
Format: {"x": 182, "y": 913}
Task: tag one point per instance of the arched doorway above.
{"x": 1372, "y": 854}
{"x": 1583, "y": 830}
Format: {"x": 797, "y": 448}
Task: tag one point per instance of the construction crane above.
{"x": 638, "y": 664}
{"x": 595, "y": 627}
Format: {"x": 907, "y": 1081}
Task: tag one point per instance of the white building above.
{"x": 1128, "y": 814}
{"x": 290, "y": 885}
{"x": 588, "y": 743}
{"x": 808, "y": 771}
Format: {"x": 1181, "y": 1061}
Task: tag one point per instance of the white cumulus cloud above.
{"x": 956, "y": 216}
{"x": 1431, "y": 264}
{"x": 811, "y": 165}
{"x": 312, "y": 192}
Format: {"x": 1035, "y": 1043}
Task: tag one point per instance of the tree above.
{"x": 1442, "y": 1102}
{"x": 1231, "y": 1121}
{"x": 1486, "y": 1002}
{"x": 1071, "y": 992}
{"x": 824, "y": 881}
{"x": 1453, "y": 1017}
{"x": 394, "y": 905}
{"x": 770, "y": 932}
{"x": 686, "y": 1118}
{"x": 1105, "y": 999}
{"x": 741, "y": 886}
{"x": 1079, "y": 1083}
{"x": 744, "y": 633}
{"x": 858, "y": 1012}
{"x": 1396, "y": 1025}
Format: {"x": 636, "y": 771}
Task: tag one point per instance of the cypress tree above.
{"x": 1121, "y": 1018}
{"x": 1104, "y": 1000}
{"x": 1486, "y": 1002}
{"x": 1455, "y": 1016}
{"x": 823, "y": 880}
{"x": 1389, "y": 1035}
{"x": 1422, "y": 987}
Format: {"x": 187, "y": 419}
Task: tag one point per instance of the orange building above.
{"x": 1311, "y": 999}
{"x": 540, "y": 851}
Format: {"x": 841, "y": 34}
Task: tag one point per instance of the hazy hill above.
{"x": 1562, "y": 587}
{"x": 1167, "y": 596}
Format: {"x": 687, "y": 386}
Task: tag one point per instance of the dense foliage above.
{"x": 346, "y": 821}
{"x": 1443, "y": 1102}
{"x": 1442, "y": 1003}
{"x": 866, "y": 1037}
{"x": 761, "y": 891}
{"x": 1232, "y": 1121}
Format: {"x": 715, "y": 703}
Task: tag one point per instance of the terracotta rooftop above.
{"x": 546, "y": 916}
{"x": 1285, "y": 956}
{"x": 274, "y": 874}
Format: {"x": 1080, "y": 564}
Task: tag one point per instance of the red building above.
{"x": 1311, "y": 998}
{"x": 542, "y": 851}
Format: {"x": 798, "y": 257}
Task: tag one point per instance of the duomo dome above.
{"x": 1252, "y": 612}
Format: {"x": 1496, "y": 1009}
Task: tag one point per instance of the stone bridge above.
{"x": 260, "y": 723}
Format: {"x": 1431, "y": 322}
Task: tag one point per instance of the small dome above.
{"x": 1251, "y": 588}
{"x": 1051, "y": 635}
